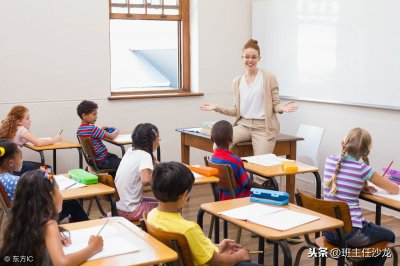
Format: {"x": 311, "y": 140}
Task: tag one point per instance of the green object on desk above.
{"x": 82, "y": 176}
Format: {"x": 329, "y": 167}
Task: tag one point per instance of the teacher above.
{"x": 256, "y": 102}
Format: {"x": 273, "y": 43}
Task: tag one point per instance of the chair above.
{"x": 109, "y": 181}
{"x": 90, "y": 155}
{"x": 307, "y": 150}
{"x": 5, "y": 203}
{"x": 227, "y": 181}
{"x": 176, "y": 241}
{"x": 339, "y": 210}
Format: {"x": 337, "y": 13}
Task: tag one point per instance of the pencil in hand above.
{"x": 256, "y": 252}
{"x": 101, "y": 229}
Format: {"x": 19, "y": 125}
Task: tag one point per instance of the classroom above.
{"x": 54, "y": 54}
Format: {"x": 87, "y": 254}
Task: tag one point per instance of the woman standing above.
{"x": 256, "y": 102}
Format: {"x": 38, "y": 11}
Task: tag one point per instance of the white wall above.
{"x": 53, "y": 54}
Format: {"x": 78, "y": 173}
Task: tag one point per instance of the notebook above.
{"x": 123, "y": 138}
{"x": 67, "y": 183}
{"x": 383, "y": 193}
{"x": 265, "y": 159}
{"x": 273, "y": 217}
{"x": 115, "y": 243}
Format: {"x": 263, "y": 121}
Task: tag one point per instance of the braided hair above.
{"x": 10, "y": 124}
{"x": 356, "y": 144}
{"x": 143, "y": 136}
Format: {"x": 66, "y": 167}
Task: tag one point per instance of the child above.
{"x": 221, "y": 135}
{"x": 171, "y": 185}
{"x": 344, "y": 178}
{"x": 134, "y": 172}
{"x": 16, "y": 127}
{"x": 87, "y": 111}
{"x": 32, "y": 229}
{"x": 11, "y": 162}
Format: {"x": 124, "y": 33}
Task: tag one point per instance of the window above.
{"x": 149, "y": 43}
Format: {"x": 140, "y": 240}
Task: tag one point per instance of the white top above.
{"x": 252, "y": 97}
{"x": 18, "y": 139}
{"x": 127, "y": 180}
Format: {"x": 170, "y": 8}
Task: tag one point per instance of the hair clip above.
{"x": 2, "y": 151}
{"x": 154, "y": 131}
{"x": 46, "y": 174}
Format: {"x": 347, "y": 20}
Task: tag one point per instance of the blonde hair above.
{"x": 356, "y": 144}
{"x": 10, "y": 124}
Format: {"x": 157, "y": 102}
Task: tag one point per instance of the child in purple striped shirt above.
{"x": 345, "y": 177}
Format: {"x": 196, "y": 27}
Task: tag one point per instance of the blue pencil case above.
{"x": 269, "y": 196}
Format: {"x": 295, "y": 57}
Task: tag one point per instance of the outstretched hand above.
{"x": 229, "y": 246}
{"x": 289, "y": 107}
{"x": 208, "y": 107}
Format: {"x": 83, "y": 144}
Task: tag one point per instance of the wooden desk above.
{"x": 324, "y": 223}
{"x": 122, "y": 144}
{"x": 277, "y": 170}
{"x": 379, "y": 202}
{"x": 89, "y": 191}
{"x": 151, "y": 251}
{"x": 285, "y": 145}
{"x": 64, "y": 144}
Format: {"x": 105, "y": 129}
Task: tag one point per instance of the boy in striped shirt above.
{"x": 87, "y": 111}
{"x": 221, "y": 135}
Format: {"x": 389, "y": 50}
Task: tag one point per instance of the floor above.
{"x": 202, "y": 193}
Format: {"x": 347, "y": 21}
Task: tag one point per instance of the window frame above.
{"x": 183, "y": 20}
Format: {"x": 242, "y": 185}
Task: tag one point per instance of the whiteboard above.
{"x": 341, "y": 51}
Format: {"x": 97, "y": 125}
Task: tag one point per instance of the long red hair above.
{"x": 10, "y": 124}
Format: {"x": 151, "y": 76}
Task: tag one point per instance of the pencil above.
{"x": 387, "y": 169}
{"x": 71, "y": 185}
{"x": 101, "y": 229}
{"x": 256, "y": 252}
{"x": 61, "y": 131}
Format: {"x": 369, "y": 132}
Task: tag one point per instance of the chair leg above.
{"x": 210, "y": 232}
{"x": 395, "y": 257}
{"x": 103, "y": 213}
{"x": 298, "y": 255}
{"x": 89, "y": 207}
{"x": 225, "y": 229}
{"x": 239, "y": 235}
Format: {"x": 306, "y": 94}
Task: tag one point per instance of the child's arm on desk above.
{"x": 384, "y": 183}
{"x": 41, "y": 142}
{"x": 112, "y": 135}
{"x": 54, "y": 248}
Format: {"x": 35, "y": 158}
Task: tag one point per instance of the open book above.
{"x": 265, "y": 159}
{"x": 268, "y": 216}
{"x": 115, "y": 243}
{"x": 67, "y": 183}
{"x": 123, "y": 138}
{"x": 383, "y": 193}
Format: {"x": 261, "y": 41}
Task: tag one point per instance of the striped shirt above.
{"x": 242, "y": 178}
{"x": 95, "y": 134}
{"x": 349, "y": 181}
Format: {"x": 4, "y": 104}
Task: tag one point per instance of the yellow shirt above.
{"x": 201, "y": 247}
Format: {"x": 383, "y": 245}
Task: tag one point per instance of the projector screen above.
{"x": 340, "y": 51}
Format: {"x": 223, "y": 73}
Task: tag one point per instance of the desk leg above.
{"x": 317, "y": 184}
{"x": 80, "y": 158}
{"x": 55, "y": 161}
{"x": 200, "y": 215}
{"x": 286, "y": 253}
{"x": 216, "y": 232}
{"x": 114, "y": 211}
{"x": 290, "y": 185}
{"x": 276, "y": 254}
{"x": 185, "y": 150}
{"x": 159, "y": 153}
{"x": 378, "y": 211}
{"x": 261, "y": 247}
{"x": 42, "y": 160}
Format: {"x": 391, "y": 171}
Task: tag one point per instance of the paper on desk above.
{"x": 384, "y": 194}
{"x": 196, "y": 175}
{"x": 67, "y": 183}
{"x": 251, "y": 211}
{"x": 265, "y": 159}
{"x": 123, "y": 138}
{"x": 115, "y": 243}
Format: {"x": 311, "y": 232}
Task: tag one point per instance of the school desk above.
{"x": 278, "y": 237}
{"x": 277, "y": 170}
{"x": 151, "y": 251}
{"x": 64, "y": 144}
{"x": 379, "y": 202}
{"x": 89, "y": 191}
{"x": 125, "y": 141}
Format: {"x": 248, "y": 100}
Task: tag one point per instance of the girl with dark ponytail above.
{"x": 135, "y": 172}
